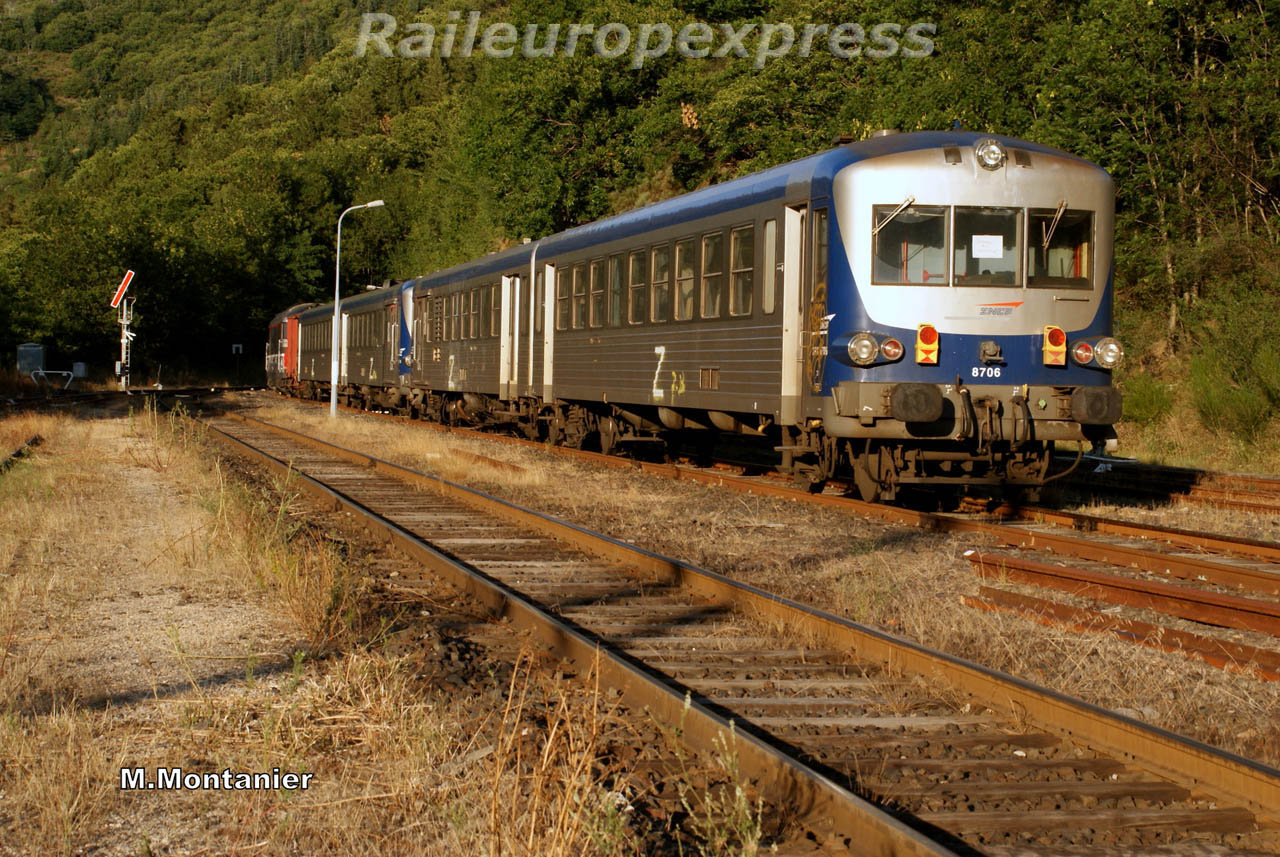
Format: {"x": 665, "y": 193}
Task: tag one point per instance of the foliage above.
{"x": 1146, "y": 399}
{"x": 1225, "y": 406}
{"x": 211, "y": 146}
{"x": 24, "y": 101}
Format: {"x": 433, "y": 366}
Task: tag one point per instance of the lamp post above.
{"x": 337, "y": 302}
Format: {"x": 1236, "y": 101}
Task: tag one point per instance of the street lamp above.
{"x": 337, "y": 301}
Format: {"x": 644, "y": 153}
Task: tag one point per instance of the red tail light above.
{"x": 1055, "y": 346}
{"x": 926, "y": 344}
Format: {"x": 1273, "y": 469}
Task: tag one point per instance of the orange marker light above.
{"x": 1055, "y": 346}
{"x": 926, "y": 344}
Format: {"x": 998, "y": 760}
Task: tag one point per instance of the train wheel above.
{"x": 553, "y": 426}
{"x": 871, "y": 473}
{"x": 609, "y": 434}
{"x": 577, "y": 427}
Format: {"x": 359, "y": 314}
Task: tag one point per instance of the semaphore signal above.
{"x": 124, "y": 284}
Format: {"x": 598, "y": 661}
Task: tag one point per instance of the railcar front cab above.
{"x": 981, "y": 314}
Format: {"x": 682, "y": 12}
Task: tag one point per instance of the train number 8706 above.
{"x": 986, "y": 371}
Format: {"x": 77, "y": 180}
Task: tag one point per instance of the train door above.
{"x": 345, "y": 348}
{"x": 509, "y": 338}
{"x": 420, "y": 352}
{"x": 524, "y": 362}
{"x": 292, "y": 344}
{"x": 392, "y": 348}
{"x": 794, "y": 224}
{"x": 817, "y": 316}
{"x": 548, "y": 312}
{"x": 534, "y": 316}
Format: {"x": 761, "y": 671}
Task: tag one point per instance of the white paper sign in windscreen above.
{"x": 988, "y": 246}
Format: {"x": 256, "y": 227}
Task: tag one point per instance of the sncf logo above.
{"x": 1001, "y": 310}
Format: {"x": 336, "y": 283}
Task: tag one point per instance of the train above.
{"x": 924, "y": 310}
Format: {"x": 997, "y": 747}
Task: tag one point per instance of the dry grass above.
{"x": 1180, "y": 440}
{"x": 902, "y": 579}
{"x": 1191, "y": 516}
{"x": 418, "y": 447}
{"x": 196, "y": 620}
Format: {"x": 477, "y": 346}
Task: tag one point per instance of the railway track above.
{"x": 108, "y": 398}
{"x": 874, "y": 742}
{"x": 1115, "y": 561}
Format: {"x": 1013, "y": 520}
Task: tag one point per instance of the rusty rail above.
{"x": 1234, "y": 657}
{"x": 1065, "y": 544}
{"x": 1230, "y": 778}
{"x": 1197, "y": 605}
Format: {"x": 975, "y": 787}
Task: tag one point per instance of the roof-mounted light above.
{"x": 990, "y": 153}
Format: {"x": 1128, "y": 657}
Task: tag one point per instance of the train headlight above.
{"x": 891, "y": 349}
{"x": 1108, "y": 352}
{"x": 863, "y": 349}
{"x": 1082, "y": 352}
{"x": 990, "y": 154}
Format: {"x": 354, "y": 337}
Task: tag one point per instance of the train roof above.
{"x": 355, "y": 302}
{"x": 790, "y": 180}
{"x": 500, "y": 262}
{"x": 293, "y": 310}
{"x": 793, "y": 180}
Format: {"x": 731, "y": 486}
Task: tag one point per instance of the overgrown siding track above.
{"x": 963, "y": 757}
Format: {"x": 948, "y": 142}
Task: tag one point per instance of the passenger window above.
{"x": 660, "y": 309}
{"x": 821, "y": 234}
{"x": 1059, "y": 249}
{"x": 909, "y": 245}
{"x": 484, "y": 311}
{"x": 684, "y": 280}
{"x": 637, "y": 285}
{"x": 524, "y": 307}
{"x": 495, "y": 309}
{"x": 769, "y": 267}
{"x": 597, "y": 293}
{"x": 742, "y": 272}
{"x": 712, "y": 275}
{"x": 987, "y": 242}
{"x": 475, "y": 313}
{"x": 563, "y": 296}
{"x": 615, "y": 291}
{"x": 579, "y": 296}
{"x": 539, "y": 299}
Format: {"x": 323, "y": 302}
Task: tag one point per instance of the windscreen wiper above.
{"x": 1062, "y": 206}
{"x": 875, "y": 230}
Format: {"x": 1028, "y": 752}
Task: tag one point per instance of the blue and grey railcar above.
{"x": 915, "y": 309}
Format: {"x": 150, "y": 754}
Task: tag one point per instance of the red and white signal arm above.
{"x": 124, "y": 284}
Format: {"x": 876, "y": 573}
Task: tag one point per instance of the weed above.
{"x": 1146, "y": 400}
{"x": 1224, "y": 405}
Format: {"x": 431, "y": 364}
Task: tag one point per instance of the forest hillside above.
{"x": 210, "y": 145}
